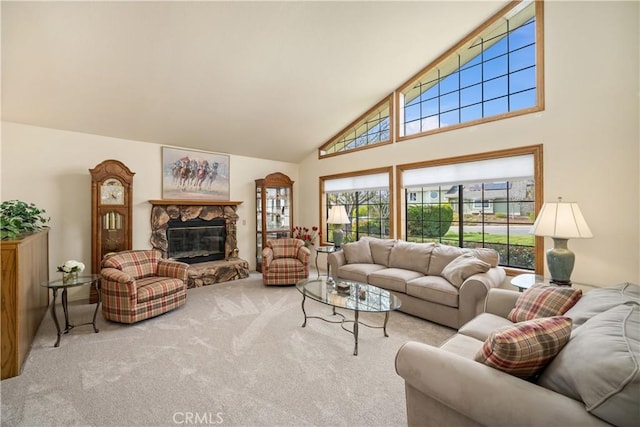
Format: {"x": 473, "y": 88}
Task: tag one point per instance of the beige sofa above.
{"x": 440, "y": 283}
{"x": 594, "y": 380}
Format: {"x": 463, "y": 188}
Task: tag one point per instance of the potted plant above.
{"x": 17, "y": 217}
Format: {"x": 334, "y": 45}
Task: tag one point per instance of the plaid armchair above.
{"x": 139, "y": 284}
{"x": 285, "y": 262}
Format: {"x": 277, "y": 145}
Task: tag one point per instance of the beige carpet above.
{"x": 235, "y": 355}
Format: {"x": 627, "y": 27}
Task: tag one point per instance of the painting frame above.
{"x": 195, "y": 175}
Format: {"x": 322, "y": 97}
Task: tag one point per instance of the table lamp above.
{"x": 561, "y": 221}
{"x": 338, "y": 216}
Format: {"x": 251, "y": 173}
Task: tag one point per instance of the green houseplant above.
{"x": 17, "y": 217}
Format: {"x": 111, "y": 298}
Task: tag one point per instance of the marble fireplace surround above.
{"x": 205, "y": 273}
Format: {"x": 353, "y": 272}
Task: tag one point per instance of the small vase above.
{"x": 68, "y": 277}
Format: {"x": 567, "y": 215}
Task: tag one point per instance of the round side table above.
{"x": 525, "y": 281}
{"x": 64, "y": 285}
{"x": 325, "y": 250}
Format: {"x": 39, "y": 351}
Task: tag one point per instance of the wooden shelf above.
{"x": 25, "y": 267}
{"x": 194, "y": 202}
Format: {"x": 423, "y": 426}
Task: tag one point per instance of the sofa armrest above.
{"x": 501, "y": 301}
{"x": 474, "y": 290}
{"x": 117, "y": 276}
{"x": 174, "y": 269}
{"x": 463, "y": 389}
{"x": 267, "y": 257}
{"x": 303, "y": 255}
{"x": 114, "y": 280}
{"x": 336, "y": 260}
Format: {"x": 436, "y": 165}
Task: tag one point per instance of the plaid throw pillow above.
{"x": 525, "y": 348}
{"x": 543, "y": 300}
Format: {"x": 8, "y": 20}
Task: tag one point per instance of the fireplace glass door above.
{"x": 196, "y": 240}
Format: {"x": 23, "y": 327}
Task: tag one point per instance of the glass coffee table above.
{"x": 349, "y": 295}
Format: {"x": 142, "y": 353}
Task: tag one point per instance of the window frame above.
{"x": 394, "y": 99}
{"x": 354, "y": 124}
{"x": 323, "y": 210}
{"x": 535, "y": 150}
{"x": 539, "y": 40}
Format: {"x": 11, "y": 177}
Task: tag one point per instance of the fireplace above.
{"x": 201, "y": 233}
{"x": 196, "y": 240}
{"x": 194, "y": 231}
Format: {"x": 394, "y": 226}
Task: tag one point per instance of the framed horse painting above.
{"x": 191, "y": 174}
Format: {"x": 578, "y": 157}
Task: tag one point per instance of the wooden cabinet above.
{"x": 274, "y": 211}
{"x": 25, "y": 267}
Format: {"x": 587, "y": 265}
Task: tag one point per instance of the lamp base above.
{"x": 561, "y": 283}
{"x": 560, "y": 261}
{"x": 338, "y": 237}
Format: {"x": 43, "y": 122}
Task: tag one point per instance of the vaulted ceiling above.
{"x": 272, "y": 80}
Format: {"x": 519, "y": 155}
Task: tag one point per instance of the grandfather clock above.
{"x": 111, "y": 212}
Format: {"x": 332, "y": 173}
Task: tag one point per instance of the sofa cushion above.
{"x": 152, "y": 288}
{"x": 463, "y": 345}
{"x": 544, "y": 300}
{"x": 358, "y": 272}
{"x": 380, "y": 249}
{"x": 441, "y": 255}
{"x": 357, "y": 252}
{"x": 599, "y": 366}
{"x": 490, "y": 256}
{"x": 444, "y": 254}
{"x": 601, "y": 300}
{"x": 136, "y": 263}
{"x": 435, "y": 289}
{"x": 463, "y": 267}
{"x": 411, "y": 256}
{"x": 481, "y": 326}
{"x": 525, "y": 348}
{"x": 393, "y": 279}
{"x": 285, "y": 248}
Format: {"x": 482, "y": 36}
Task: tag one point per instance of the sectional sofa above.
{"x": 441, "y": 283}
{"x": 593, "y": 380}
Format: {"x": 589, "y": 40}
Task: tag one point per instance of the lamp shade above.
{"x": 338, "y": 215}
{"x": 561, "y": 219}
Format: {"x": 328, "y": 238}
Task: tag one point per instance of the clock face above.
{"x": 112, "y": 192}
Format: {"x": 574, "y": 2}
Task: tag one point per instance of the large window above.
{"x": 482, "y": 201}
{"x": 493, "y": 73}
{"x": 373, "y": 128}
{"x": 366, "y": 196}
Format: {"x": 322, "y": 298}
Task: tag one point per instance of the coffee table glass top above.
{"x": 359, "y": 297}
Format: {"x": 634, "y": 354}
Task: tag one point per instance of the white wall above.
{"x": 589, "y": 130}
{"x": 50, "y": 168}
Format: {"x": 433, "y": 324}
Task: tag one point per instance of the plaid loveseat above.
{"x": 139, "y": 284}
{"x": 285, "y": 262}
